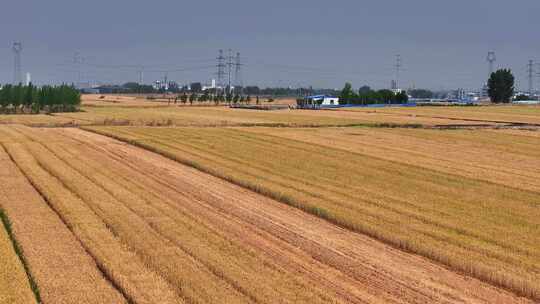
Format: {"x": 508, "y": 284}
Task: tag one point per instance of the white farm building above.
{"x": 322, "y": 100}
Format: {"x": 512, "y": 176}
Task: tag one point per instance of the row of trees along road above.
{"x": 366, "y": 95}
{"x": 19, "y": 99}
{"x": 216, "y": 98}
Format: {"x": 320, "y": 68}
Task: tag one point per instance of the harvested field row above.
{"x": 40, "y": 120}
{"x": 487, "y": 230}
{"x": 221, "y": 116}
{"x": 506, "y": 157}
{"x": 215, "y": 242}
{"x": 14, "y": 284}
{"x": 62, "y": 268}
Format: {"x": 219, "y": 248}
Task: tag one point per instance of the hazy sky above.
{"x": 321, "y": 43}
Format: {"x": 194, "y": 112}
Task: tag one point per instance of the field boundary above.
{"x": 6, "y": 223}
{"x": 518, "y": 287}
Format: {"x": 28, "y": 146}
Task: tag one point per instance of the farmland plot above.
{"x": 61, "y": 267}
{"x": 485, "y": 229}
{"x": 224, "y": 116}
{"x": 507, "y": 157}
{"x": 14, "y": 284}
{"x": 206, "y": 240}
{"x": 502, "y": 113}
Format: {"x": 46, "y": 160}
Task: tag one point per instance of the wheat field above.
{"x": 485, "y": 229}
{"x": 150, "y": 230}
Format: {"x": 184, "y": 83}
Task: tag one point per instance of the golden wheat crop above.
{"x": 484, "y": 229}
{"x": 207, "y": 266}
{"x": 119, "y": 263}
{"x": 52, "y": 252}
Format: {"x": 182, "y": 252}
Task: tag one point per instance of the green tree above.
{"x": 5, "y": 97}
{"x": 501, "y": 86}
{"x": 184, "y": 98}
{"x": 347, "y": 95}
{"x": 421, "y": 93}
{"x": 17, "y": 97}
{"x": 385, "y": 96}
{"x": 401, "y": 97}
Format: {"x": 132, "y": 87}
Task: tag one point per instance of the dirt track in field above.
{"x": 348, "y": 266}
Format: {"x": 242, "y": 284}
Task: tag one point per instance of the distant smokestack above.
{"x": 28, "y": 78}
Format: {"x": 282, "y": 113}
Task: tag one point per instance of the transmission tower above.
{"x": 238, "y": 71}
{"x": 398, "y": 70}
{"x": 229, "y": 67}
{"x": 17, "y": 73}
{"x": 78, "y": 61}
{"x": 491, "y": 58}
{"x": 530, "y": 75}
{"x": 140, "y": 73}
{"x": 220, "y": 69}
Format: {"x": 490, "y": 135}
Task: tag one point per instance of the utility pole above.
{"x": 17, "y": 73}
{"x": 530, "y": 75}
{"x": 491, "y": 59}
{"x": 238, "y": 72}
{"x": 220, "y": 69}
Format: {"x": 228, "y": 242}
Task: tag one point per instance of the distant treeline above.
{"x": 365, "y": 95}
{"x": 196, "y": 87}
{"x": 19, "y": 99}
